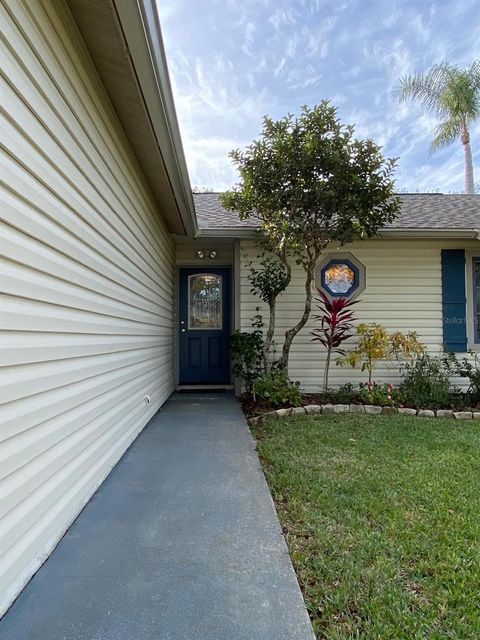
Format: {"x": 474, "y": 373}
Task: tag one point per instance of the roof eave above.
{"x": 141, "y": 28}
{"x": 411, "y": 232}
{"x": 443, "y": 233}
{"x": 227, "y": 232}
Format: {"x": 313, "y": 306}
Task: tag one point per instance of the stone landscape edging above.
{"x": 362, "y": 409}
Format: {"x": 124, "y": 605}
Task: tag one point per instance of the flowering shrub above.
{"x": 385, "y": 395}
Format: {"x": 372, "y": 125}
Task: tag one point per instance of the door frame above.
{"x": 233, "y": 321}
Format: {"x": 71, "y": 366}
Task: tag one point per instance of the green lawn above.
{"x": 382, "y": 518}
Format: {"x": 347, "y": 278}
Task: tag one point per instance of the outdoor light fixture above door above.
{"x": 211, "y": 253}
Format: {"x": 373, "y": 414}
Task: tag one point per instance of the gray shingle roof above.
{"x": 418, "y": 211}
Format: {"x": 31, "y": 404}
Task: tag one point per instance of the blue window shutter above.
{"x": 454, "y": 304}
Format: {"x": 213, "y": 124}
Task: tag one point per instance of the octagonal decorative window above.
{"x": 339, "y": 278}
{"x": 341, "y": 275}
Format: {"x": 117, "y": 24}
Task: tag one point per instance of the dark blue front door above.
{"x": 204, "y": 325}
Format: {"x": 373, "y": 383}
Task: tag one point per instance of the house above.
{"x": 422, "y": 273}
{"x": 116, "y": 287}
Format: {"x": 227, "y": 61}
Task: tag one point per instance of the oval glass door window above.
{"x": 204, "y": 301}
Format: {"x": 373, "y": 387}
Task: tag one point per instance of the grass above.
{"x": 382, "y": 519}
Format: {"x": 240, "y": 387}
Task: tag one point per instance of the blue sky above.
{"x": 233, "y": 61}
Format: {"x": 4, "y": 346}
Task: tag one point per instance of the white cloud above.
{"x": 283, "y": 17}
{"x": 246, "y": 58}
{"x": 248, "y": 38}
{"x": 279, "y": 67}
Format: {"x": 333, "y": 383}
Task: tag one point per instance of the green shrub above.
{"x": 246, "y": 354}
{"x": 343, "y": 395}
{"x": 275, "y": 387}
{"x": 426, "y": 383}
{"x": 465, "y": 368}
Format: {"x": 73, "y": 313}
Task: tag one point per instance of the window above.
{"x": 476, "y": 299}
{"x": 340, "y": 278}
{"x": 341, "y": 275}
{"x": 205, "y": 301}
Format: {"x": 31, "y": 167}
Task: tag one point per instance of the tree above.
{"x": 452, "y": 95}
{"x": 268, "y": 280}
{"x": 309, "y": 182}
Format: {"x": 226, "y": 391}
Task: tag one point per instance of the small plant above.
{"x": 372, "y": 345}
{"x": 268, "y": 280}
{"x": 335, "y": 327}
{"x": 406, "y": 346}
{"x": 465, "y": 368}
{"x": 426, "y": 383}
{"x": 246, "y": 353}
{"x": 385, "y": 395}
{"x": 275, "y": 387}
{"x": 343, "y": 395}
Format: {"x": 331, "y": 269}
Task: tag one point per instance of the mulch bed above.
{"x": 252, "y": 408}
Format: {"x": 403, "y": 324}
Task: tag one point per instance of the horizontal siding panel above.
{"x": 403, "y": 292}
{"x": 28, "y": 347}
{"x": 17, "y": 486}
{"x": 34, "y": 210}
{"x": 68, "y": 185}
{"x": 68, "y": 68}
{"x": 33, "y": 410}
{"x": 40, "y": 377}
{"x": 100, "y": 197}
{"x": 32, "y": 284}
{"x": 53, "y": 114}
{"x": 21, "y": 314}
{"x": 28, "y": 252}
{"x": 18, "y": 450}
{"x": 87, "y": 287}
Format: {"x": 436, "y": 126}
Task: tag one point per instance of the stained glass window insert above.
{"x": 339, "y": 278}
{"x": 205, "y": 301}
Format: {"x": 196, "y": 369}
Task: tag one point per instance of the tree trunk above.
{"x": 291, "y": 333}
{"x": 467, "y": 150}
{"x": 326, "y": 371}
{"x": 269, "y": 335}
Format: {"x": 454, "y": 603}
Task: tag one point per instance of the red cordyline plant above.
{"x": 335, "y": 327}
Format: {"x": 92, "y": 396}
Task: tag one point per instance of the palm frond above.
{"x": 427, "y": 87}
{"x": 474, "y": 72}
{"x": 446, "y": 133}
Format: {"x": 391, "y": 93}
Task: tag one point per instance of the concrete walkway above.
{"x": 181, "y": 542}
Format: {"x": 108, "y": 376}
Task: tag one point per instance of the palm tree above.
{"x": 453, "y": 95}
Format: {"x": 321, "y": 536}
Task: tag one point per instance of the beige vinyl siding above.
{"x": 403, "y": 292}
{"x": 87, "y": 279}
